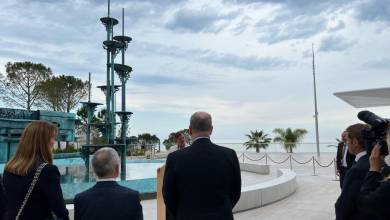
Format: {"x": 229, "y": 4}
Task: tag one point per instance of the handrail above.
{"x": 290, "y": 158}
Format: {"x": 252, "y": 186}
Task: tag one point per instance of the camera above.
{"x": 377, "y": 132}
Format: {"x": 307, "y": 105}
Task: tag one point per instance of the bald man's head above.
{"x": 201, "y": 122}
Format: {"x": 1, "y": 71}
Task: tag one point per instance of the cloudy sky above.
{"x": 247, "y": 62}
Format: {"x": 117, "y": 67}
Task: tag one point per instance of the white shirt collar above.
{"x": 106, "y": 180}
{"x": 360, "y": 155}
{"x": 344, "y": 159}
{"x": 197, "y": 138}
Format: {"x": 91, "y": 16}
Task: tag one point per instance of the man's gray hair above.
{"x": 201, "y": 121}
{"x": 104, "y": 161}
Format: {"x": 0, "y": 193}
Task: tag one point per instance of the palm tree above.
{"x": 289, "y": 138}
{"x": 257, "y": 140}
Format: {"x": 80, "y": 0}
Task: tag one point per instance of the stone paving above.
{"x": 313, "y": 200}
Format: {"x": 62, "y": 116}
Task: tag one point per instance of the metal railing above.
{"x": 303, "y": 147}
{"x": 290, "y": 159}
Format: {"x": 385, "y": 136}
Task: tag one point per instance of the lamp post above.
{"x": 315, "y": 106}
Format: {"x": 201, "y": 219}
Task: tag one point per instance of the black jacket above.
{"x": 108, "y": 200}
{"x": 202, "y": 181}
{"x": 346, "y": 205}
{"x": 45, "y": 198}
{"x": 2, "y": 199}
{"x": 375, "y": 195}
{"x": 350, "y": 157}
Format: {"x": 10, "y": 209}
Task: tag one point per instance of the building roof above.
{"x": 366, "y": 98}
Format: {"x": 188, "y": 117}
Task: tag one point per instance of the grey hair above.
{"x": 201, "y": 121}
{"x": 104, "y": 161}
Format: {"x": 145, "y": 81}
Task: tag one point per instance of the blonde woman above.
{"x": 34, "y": 160}
{"x": 375, "y": 193}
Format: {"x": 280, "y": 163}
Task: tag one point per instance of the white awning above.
{"x": 366, "y": 98}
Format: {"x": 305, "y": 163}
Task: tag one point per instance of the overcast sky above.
{"x": 247, "y": 62}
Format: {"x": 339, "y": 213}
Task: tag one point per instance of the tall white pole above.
{"x": 315, "y": 106}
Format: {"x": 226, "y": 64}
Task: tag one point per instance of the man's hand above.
{"x": 376, "y": 161}
{"x": 337, "y": 172}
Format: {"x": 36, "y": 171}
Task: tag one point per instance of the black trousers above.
{"x": 343, "y": 171}
{"x": 169, "y": 215}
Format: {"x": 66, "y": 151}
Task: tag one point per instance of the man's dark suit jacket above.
{"x": 346, "y": 205}
{"x": 2, "y": 199}
{"x": 44, "y": 199}
{"x": 202, "y": 182}
{"x": 108, "y": 200}
{"x": 339, "y": 157}
{"x": 349, "y": 159}
{"x": 374, "y": 195}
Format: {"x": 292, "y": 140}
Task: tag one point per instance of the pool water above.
{"x": 143, "y": 186}
{"x": 140, "y": 176}
{"x": 73, "y": 170}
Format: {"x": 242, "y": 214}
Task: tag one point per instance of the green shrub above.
{"x": 68, "y": 149}
{"x": 135, "y": 152}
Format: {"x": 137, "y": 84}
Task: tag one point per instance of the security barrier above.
{"x": 290, "y": 159}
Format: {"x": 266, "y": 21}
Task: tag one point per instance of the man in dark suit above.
{"x": 202, "y": 181}
{"x": 2, "y": 199}
{"x": 344, "y": 158}
{"x": 107, "y": 199}
{"x": 346, "y": 205}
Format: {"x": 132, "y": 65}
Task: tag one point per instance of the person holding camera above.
{"x": 346, "y": 205}
{"x": 374, "y": 194}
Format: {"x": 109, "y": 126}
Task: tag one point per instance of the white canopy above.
{"x": 366, "y": 98}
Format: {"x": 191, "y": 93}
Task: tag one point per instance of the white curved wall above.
{"x": 254, "y": 168}
{"x": 264, "y": 193}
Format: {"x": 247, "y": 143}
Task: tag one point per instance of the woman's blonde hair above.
{"x": 33, "y": 148}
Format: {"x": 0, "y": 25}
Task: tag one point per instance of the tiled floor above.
{"x": 313, "y": 200}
